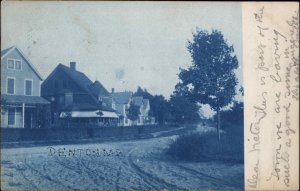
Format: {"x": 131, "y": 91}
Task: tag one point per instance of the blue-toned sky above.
{"x": 122, "y": 44}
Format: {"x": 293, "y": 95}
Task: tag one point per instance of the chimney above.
{"x": 112, "y": 90}
{"x": 73, "y": 65}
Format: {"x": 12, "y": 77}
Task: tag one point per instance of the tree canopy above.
{"x": 183, "y": 110}
{"x": 133, "y": 112}
{"x": 211, "y": 78}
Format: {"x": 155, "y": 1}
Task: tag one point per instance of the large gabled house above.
{"x": 76, "y": 99}
{"x": 21, "y": 103}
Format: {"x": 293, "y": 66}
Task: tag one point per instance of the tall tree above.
{"x": 211, "y": 78}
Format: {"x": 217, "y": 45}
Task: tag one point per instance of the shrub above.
{"x": 195, "y": 147}
{"x": 233, "y": 143}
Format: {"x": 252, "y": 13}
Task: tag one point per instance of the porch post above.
{"x": 23, "y": 115}
{"x": 31, "y": 118}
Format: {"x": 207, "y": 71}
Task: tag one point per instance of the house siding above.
{"x": 26, "y": 72}
{"x": 20, "y": 75}
{"x": 49, "y": 90}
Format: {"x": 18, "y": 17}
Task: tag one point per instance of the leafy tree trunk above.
{"x": 218, "y": 125}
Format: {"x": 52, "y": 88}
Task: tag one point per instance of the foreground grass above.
{"x": 197, "y": 147}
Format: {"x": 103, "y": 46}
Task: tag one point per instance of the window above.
{"x": 64, "y": 84}
{"x": 10, "y": 86}
{"x": 18, "y": 64}
{"x": 11, "y": 116}
{"x": 14, "y": 64}
{"x": 55, "y": 83}
{"x": 68, "y": 99}
{"x": 61, "y": 100}
{"x": 10, "y": 64}
{"x": 28, "y": 87}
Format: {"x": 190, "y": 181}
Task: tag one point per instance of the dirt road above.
{"x": 138, "y": 165}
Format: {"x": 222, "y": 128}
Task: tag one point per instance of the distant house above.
{"x": 76, "y": 99}
{"x": 21, "y": 103}
{"x": 144, "y": 106}
{"x": 122, "y": 102}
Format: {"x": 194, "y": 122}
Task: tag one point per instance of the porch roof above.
{"x": 89, "y": 114}
{"x": 24, "y": 99}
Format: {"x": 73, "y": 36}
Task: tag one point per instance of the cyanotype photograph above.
{"x": 122, "y": 96}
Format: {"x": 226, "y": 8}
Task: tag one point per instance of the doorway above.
{"x": 28, "y": 118}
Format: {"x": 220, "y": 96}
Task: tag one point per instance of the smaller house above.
{"x": 122, "y": 101}
{"x": 144, "y": 106}
{"x": 21, "y": 103}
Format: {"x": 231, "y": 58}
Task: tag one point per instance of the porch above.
{"x": 22, "y": 111}
{"x": 82, "y": 118}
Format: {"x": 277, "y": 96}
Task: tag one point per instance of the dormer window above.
{"x": 14, "y": 64}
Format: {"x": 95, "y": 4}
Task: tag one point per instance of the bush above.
{"x": 233, "y": 143}
{"x": 196, "y": 147}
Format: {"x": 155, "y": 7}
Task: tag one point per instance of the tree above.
{"x": 143, "y": 92}
{"x": 133, "y": 112}
{"x": 159, "y": 108}
{"x": 183, "y": 110}
{"x": 211, "y": 78}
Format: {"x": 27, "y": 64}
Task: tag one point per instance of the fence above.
{"x": 72, "y": 133}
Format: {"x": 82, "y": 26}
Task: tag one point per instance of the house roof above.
{"x": 138, "y": 100}
{"x": 84, "y": 82}
{"x": 80, "y": 78}
{"x": 87, "y": 86}
{"x": 8, "y": 50}
{"x": 145, "y": 102}
{"x": 24, "y": 99}
{"x": 3, "y": 52}
{"x": 98, "y": 89}
{"x": 122, "y": 97}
